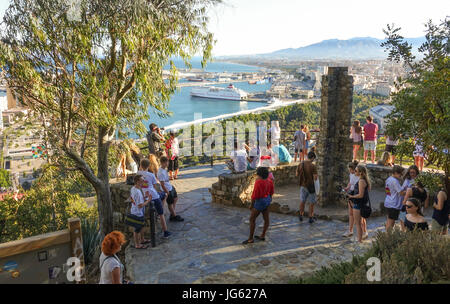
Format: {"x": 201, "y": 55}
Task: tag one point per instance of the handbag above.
{"x": 366, "y": 210}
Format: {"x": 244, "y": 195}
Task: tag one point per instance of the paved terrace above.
{"x": 206, "y": 247}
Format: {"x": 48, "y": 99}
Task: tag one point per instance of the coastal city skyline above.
{"x": 263, "y": 26}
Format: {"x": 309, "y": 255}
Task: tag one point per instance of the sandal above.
{"x": 247, "y": 242}
{"x": 146, "y": 242}
{"x": 260, "y": 238}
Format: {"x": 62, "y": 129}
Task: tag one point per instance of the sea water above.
{"x": 183, "y": 106}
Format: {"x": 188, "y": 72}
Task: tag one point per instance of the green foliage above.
{"x": 91, "y": 238}
{"x": 432, "y": 180}
{"x": 411, "y": 257}
{"x": 422, "y": 103}
{"x": 103, "y": 70}
{"x": 334, "y": 274}
{"x": 40, "y": 211}
{"x": 5, "y": 179}
{"x": 406, "y": 258}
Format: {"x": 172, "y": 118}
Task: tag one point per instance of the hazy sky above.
{"x": 260, "y": 26}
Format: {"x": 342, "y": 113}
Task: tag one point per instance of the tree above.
{"x": 5, "y": 179}
{"x": 422, "y": 102}
{"x": 97, "y": 67}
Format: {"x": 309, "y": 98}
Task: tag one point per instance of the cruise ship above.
{"x": 229, "y": 93}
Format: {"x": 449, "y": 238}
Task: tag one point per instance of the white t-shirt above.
{"x": 149, "y": 181}
{"x": 391, "y": 142}
{"x": 393, "y": 189}
{"x": 254, "y": 153}
{"x": 107, "y": 268}
{"x": 300, "y": 138}
{"x": 353, "y": 180}
{"x": 408, "y": 183}
{"x": 275, "y": 133}
{"x": 138, "y": 198}
{"x": 239, "y": 158}
{"x": 163, "y": 176}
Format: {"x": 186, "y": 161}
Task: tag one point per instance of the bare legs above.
{"x": 359, "y": 224}
{"x": 311, "y": 209}
{"x": 372, "y": 153}
{"x": 253, "y": 215}
{"x": 418, "y": 161}
{"x": 355, "y": 152}
{"x": 351, "y": 219}
{"x": 389, "y": 224}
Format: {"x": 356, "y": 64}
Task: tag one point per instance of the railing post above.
{"x": 212, "y": 160}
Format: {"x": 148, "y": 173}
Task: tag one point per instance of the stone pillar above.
{"x": 334, "y": 146}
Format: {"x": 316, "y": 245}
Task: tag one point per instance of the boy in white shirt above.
{"x": 394, "y": 192}
{"x": 149, "y": 189}
{"x": 138, "y": 202}
{"x": 172, "y": 196}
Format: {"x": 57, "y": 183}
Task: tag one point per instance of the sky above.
{"x": 260, "y": 26}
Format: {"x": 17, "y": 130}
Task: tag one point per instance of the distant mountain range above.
{"x": 356, "y": 48}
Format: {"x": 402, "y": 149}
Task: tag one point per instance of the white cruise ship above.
{"x": 229, "y": 93}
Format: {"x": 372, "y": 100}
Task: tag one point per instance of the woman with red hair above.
{"x": 111, "y": 269}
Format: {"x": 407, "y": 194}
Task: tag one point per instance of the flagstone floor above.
{"x": 206, "y": 247}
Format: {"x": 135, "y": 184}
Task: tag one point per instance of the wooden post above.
{"x": 76, "y": 239}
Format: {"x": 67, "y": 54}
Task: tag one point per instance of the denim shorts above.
{"x": 261, "y": 204}
{"x": 402, "y": 216}
{"x": 370, "y": 145}
{"x": 356, "y": 206}
{"x": 158, "y": 203}
{"x": 307, "y": 197}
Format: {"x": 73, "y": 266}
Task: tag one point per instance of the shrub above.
{"x": 5, "y": 179}
{"x": 419, "y": 257}
{"x": 408, "y": 258}
{"x": 91, "y": 238}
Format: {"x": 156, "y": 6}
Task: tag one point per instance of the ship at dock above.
{"x": 228, "y": 93}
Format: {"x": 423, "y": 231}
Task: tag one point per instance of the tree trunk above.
{"x": 105, "y": 212}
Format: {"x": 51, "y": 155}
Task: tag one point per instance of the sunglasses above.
{"x": 409, "y": 206}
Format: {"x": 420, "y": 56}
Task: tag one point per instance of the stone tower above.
{"x": 334, "y": 146}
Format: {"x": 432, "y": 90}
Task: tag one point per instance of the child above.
{"x": 261, "y": 199}
{"x": 149, "y": 189}
{"x": 137, "y": 208}
{"x": 170, "y": 190}
{"x": 393, "y": 202}
{"x": 385, "y": 160}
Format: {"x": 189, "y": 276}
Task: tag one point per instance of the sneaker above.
{"x": 172, "y": 218}
{"x": 348, "y": 234}
{"x": 178, "y": 218}
{"x": 311, "y": 220}
{"x": 365, "y": 236}
{"x": 167, "y": 234}
{"x": 300, "y": 218}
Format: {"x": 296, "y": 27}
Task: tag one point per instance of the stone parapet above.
{"x": 236, "y": 189}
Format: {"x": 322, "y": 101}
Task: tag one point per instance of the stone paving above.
{"x": 206, "y": 247}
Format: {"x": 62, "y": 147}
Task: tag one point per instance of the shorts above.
{"x": 357, "y": 143}
{"x": 158, "y": 203}
{"x": 298, "y": 150}
{"x": 418, "y": 154}
{"x": 172, "y": 195}
{"x": 390, "y": 149}
{"x": 370, "y": 145}
{"x": 356, "y": 206}
{"x": 435, "y": 226}
{"x": 307, "y": 145}
{"x": 138, "y": 229}
{"x": 261, "y": 204}
{"x": 307, "y": 197}
{"x": 173, "y": 164}
{"x": 393, "y": 213}
{"x": 402, "y": 216}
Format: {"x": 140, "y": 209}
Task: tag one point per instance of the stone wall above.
{"x": 236, "y": 189}
{"x": 120, "y": 194}
{"x": 334, "y": 146}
